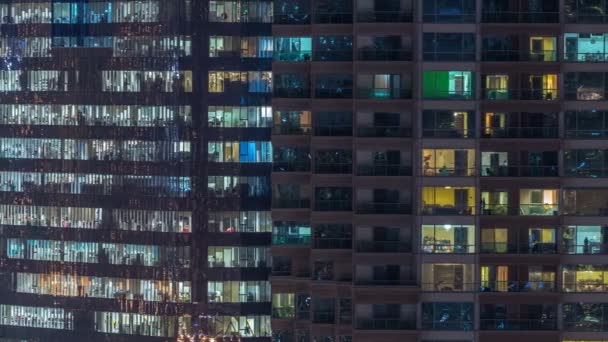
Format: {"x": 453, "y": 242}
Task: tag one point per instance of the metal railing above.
{"x": 517, "y": 324}
{"x": 518, "y": 286}
{"x": 519, "y": 171}
{"x": 333, "y": 205}
{"x": 431, "y": 94}
{"x": 333, "y": 17}
{"x": 448, "y": 133}
{"x": 385, "y": 324}
{"x": 546, "y": 94}
{"x": 384, "y": 17}
{"x": 383, "y": 170}
{"x": 518, "y": 248}
{"x": 441, "y": 248}
{"x": 449, "y": 18}
{"x": 333, "y": 168}
{"x": 384, "y": 132}
{"x": 291, "y": 130}
{"x": 586, "y": 57}
{"x": 291, "y": 92}
{"x": 384, "y": 208}
{"x": 521, "y": 132}
{"x": 332, "y": 243}
{"x": 442, "y": 286}
{"x": 373, "y": 54}
{"x": 334, "y": 92}
{"x": 448, "y": 210}
{"x": 449, "y": 171}
{"x": 384, "y": 93}
{"x": 582, "y": 286}
{"x": 281, "y": 203}
{"x": 333, "y": 55}
{"x": 289, "y": 166}
{"x": 453, "y": 324}
{"x": 300, "y": 56}
{"x": 383, "y": 246}
{"x": 519, "y": 56}
{"x": 449, "y": 56}
{"x": 519, "y": 17}
{"x": 333, "y": 131}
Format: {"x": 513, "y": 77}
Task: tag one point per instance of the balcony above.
{"x": 451, "y": 15}
{"x": 370, "y": 16}
{"x": 333, "y": 243}
{"x": 372, "y": 54}
{"x": 517, "y": 324}
{"x": 519, "y": 56}
{"x": 384, "y": 93}
{"x": 384, "y": 132}
{"x": 448, "y": 210}
{"x": 324, "y": 317}
{"x": 381, "y": 208}
{"x": 383, "y": 247}
{"x": 383, "y": 170}
{"x": 333, "y": 55}
{"x": 385, "y": 324}
{"x": 291, "y": 130}
{"x": 300, "y": 93}
{"x": 539, "y": 209}
{"x": 520, "y": 132}
{"x": 333, "y": 17}
{"x": 519, "y": 171}
{"x": 518, "y": 286}
{"x": 432, "y": 94}
{"x": 521, "y": 94}
{"x": 291, "y": 166}
{"x": 522, "y": 248}
{"x": 288, "y": 203}
{"x": 442, "y": 286}
{"x": 333, "y": 168}
{"x": 333, "y": 130}
{"x": 447, "y": 325}
{"x": 520, "y": 17}
{"x": 333, "y": 205}
{"x": 334, "y": 93}
{"x": 291, "y": 239}
{"x": 283, "y": 313}
{"x": 385, "y": 282}
{"x": 449, "y": 56}
{"x": 586, "y": 286}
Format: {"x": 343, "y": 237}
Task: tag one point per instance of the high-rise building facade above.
{"x": 439, "y": 171}
{"x": 135, "y": 178}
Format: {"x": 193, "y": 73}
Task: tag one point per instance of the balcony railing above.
{"x": 520, "y": 17}
{"x": 333, "y": 131}
{"x": 383, "y": 247}
{"x": 333, "y": 243}
{"x": 291, "y": 239}
{"x": 300, "y": 56}
{"x": 442, "y": 248}
{"x": 333, "y": 55}
{"x": 450, "y": 56}
{"x": 291, "y": 92}
{"x": 384, "y": 132}
{"x": 519, "y": 171}
{"x": 586, "y": 133}
{"x": 384, "y": 208}
{"x": 458, "y": 17}
{"x": 281, "y": 313}
{"x": 521, "y": 248}
{"x": 333, "y": 205}
{"x": 335, "y": 92}
{"x": 448, "y": 210}
{"x": 324, "y": 317}
{"x": 372, "y": 54}
{"x": 449, "y": 171}
{"x": 385, "y": 324}
{"x": 284, "y": 203}
{"x": 519, "y": 55}
{"x": 518, "y": 286}
{"x": 585, "y": 286}
{"x": 539, "y": 209}
{"x": 586, "y": 57}
{"x": 587, "y": 172}
{"x": 590, "y": 15}
{"x": 448, "y": 133}
{"x": 588, "y": 248}
{"x": 547, "y": 94}
{"x": 442, "y": 286}
{"x": 588, "y": 324}
{"x": 333, "y": 168}
{"x": 384, "y": 93}
{"x": 521, "y": 132}
{"x": 452, "y": 324}
{"x": 582, "y": 210}
{"x": 292, "y": 18}
{"x": 431, "y": 94}
{"x": 333, "y": 17}
{"x": 383, "y": 170}
{"x": 385, "y": 282}
{"x": 290, "y": 166}
{"x": 517, "y": 324}
{"x": 384, "y": 17}
{"x": 291, "y": 130}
